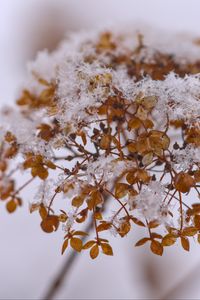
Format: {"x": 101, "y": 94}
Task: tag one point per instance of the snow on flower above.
{"x": 184, "y": 158}
{"x": 105, "y": 168}
{"x": 109, "y": 121}
{"x": 149, "y": 202}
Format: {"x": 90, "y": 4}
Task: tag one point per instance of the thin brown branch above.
{"x": 65, "y": 270}
{"x": 68, "y": 265}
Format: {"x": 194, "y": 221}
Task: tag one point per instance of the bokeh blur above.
{"x": 30, "y": 259}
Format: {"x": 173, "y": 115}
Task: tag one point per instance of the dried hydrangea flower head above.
{"x": 109, "y": 121}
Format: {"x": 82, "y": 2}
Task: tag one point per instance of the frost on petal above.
{"x": 185, "y": 158}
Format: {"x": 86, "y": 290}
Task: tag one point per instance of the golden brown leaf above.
{"x": 50, "y": 224}
{"x": 105, "y": 142}
{"x": 103, "y": 226}
{"x": 183, "y": 182}
{"x": 142, "y": 242}
{"x": 76, "y": 244}
{"x": 168, "y": 240}
{"x": 98, "y": 216}
{"x": 185, "y": 243}
{"x": 137, "y": 222}
{"x": 81, "y": 233}
{"x": 156, "y": 248}
{"x": 159, "y": 140}
{"x": 121, "y": 189}
{"x": 134, "y": 123}
{"x": 124, "y": 228}
{"x": 94, "y": 252}
{"x": 65, "y": 245}
{"x": 189, "y": 231}
{"x": 147, "y": 159}
{"x": 50, "y": 164}
{"x": 94, "y": 200}
{"x": 198, "y": 238}
{"x": 155, "y": 235}
{"x": 88, "y": 245}
{"x": 149, "y": 102}
{"x": 197, "y": 221}
{"x": 153, "y": 224}
{"x": 132, "y": 147}
{"x": 107, "y": 249}
{"x": 77, "y": 201}
{"x": 43, "y": 211}
{"x": 197, "y": 176}
{"x": 11, "y": 206}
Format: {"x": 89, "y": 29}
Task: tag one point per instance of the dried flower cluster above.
{"x": 109, "y": 127}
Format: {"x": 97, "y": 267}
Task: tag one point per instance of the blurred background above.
{"x": 30, "y": 259}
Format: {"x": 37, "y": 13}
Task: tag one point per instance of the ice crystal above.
{"x": 185, "y": 158}
{"x": 149, "y": 202}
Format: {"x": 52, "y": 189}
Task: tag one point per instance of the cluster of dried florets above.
{"x": 109, "y": 121}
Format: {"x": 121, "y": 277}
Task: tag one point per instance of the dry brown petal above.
{"x": 147, "y": 159}
{"x": 197, "y": 221}
{"x": 77, "y": 201}
{"x": 94, "y": 200}
{"x": 50, "y": 224}
{"x": 46, "y": 133}
{"x": 134, "y": 123}
{"x": 159, "y": 140}
{"x": 124, "y": 228}
{"x": 149, "y": 102}
{"x": 3, "y": 166}
{"x": 142, "y": 113}
{"x": 132, "y": 147}
{"x": 50, "y": 164}
{"x": 148, "y": 123}
{"x": 121, "y": 190}
{"x": 105, "y": 42}
{"x": 105, "y": 142}
{"x": 11, "y": 206}
{"x": 197, "y": 176}
{"x": 143, "y": 145}
{"x": 43, "y": 212}
{"x": 183, "y": 182}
